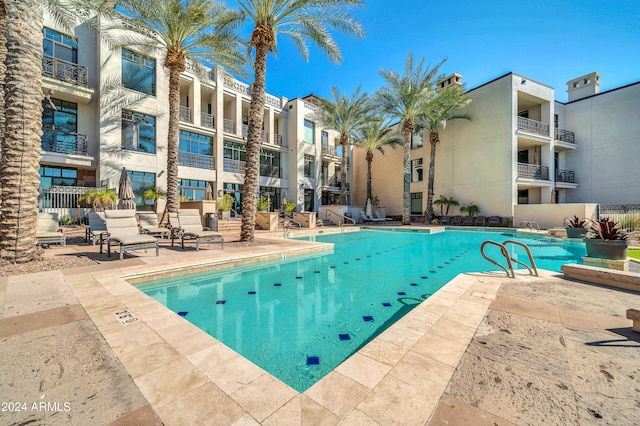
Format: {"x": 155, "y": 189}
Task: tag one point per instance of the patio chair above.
{"x": 97, "y": 229}
{"x": 148, "y": 223}
{"x": 122, "y": 229}
{"x": 444, "y": 220}
{"x": 467, "y": 220}
{"x": 367, "y": 219}
{"x": 480, "y": 221}
{"x": 379, "y": 216}
{"x": 190, "y": 228}
{"x": 494, "y": 221}
{"x": 457, "y": 220}
{"x": 48, "y": 230}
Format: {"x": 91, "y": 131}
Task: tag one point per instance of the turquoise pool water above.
{"x": 299, "y": 318}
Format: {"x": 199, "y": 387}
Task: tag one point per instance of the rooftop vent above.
{"x": 584, "y": 86}
{"x": 451, "y": 80}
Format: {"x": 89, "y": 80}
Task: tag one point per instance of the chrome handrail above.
{"x": 504, "y": 252}
{"x": 529, "y": 255}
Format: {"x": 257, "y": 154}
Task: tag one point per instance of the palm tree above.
{"x": 346, "y": 116}
{"x": 152, "y": 194}
{"x": 375, "y": 135}
{"x": 470, "y": 208}
{"x": 406, "y": 98}
{"x": 182, "y": 30}
{"x": 22, "y": 130}
{"x": 442, "y": 108}
{"x": 302, "y": 21}
{"x": 442, "y": 201}
{"x": 100, "y": 199}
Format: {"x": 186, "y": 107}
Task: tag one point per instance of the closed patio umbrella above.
{"x": 125, "y": 192}
{"x": 208, "y": 193}
{"x": 368, "y": 210}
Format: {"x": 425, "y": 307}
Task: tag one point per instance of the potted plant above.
{"x": 289, "y": 206}
{"x": 605, "y": 240}
{"x": 224, "y": 204}
{"x": 576, "y": 228}
{"x": 264, "y": 204}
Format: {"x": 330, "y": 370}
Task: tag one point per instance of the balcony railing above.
{"x": 228, "y": 126}
{"x": 233, "y": 166}
{"x": 330, "y": 181}
{"x": 564, "y": 136}
{"x": 245, "y": 133}
{"x": 65, "y": 71}
{"x": 330, "y": 150}
{"x": 63, "y": 143}
{"x": 277, "y": 139}
{"x": 270, "y": 171}
{"x": 533, "y": 171}
{"x": 565, "y": 176}
{"x": 200, "y": 161}
{"x": 533, "y": 126}
{"x": 185, "y": 114}
{"x": 206, "y": 120}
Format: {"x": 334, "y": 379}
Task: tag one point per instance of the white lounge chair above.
{"x": 190, "y": 228}
{"x": 97, "y": 229}
{"x": 48, "y": 230}
{"x": 367, "y": 219}
{"x": 122, "y": 229}
{"x": 379, "y": 216}
{"x": 148, "y": 222}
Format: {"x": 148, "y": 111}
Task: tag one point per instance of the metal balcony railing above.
{"x": 233, "y": 166}
{"x": 565, "y": 176}
{"x": 533, "y": 126}
{"x": 330, "y": 181}
{"x": 63, "y": 142}
{"x": 185, "y": 114}
{"x": 564, "y": 135}
{"x": 533, "y": 171}
{"x": 200, "y": 161}
{"x": 206, "y": 120}
{"x": 277, "y": 139}
{"x": 270, "y": 171}
{"x": 228, "y": 126}
{"x": 330, "y": 150}
{"x": 65, "y": 71}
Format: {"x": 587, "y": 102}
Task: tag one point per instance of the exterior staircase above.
{"x": 324, "y": 222}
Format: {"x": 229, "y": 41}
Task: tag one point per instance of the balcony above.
{"x": 206, "y": 120}
{"x": 199, "y": 161}
{"x": 533, "y": 126}
{"x": 245, "y": 132}
{"x": 330, "y": 181}
{"x": 63, "y": 143}
{"x": 270, "y": 171}
{"x": 533, "y": 171}
{"x": 565, "y": 176}
{"x": 330, "y": 150}
{"x": 65, "y": 71}
{"x": 277, "y": 139}
{"x": 564, "y": 136}
{"x": 233, "y": 166}
{"x": 185, "y": 114}
{"x": 228, "y": 126}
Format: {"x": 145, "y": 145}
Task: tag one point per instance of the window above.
{"x": 138, "y": 132}
{"x": 416, "y": 142}
{"x": 58, "y": 176}
{"x": 523, "y": 156}
{"x": 416, "y": 170}
{"x": 274, "y": 194}
{"x": 192, "y": 190}
{"x": 234, "y": 156}
{"x": 324, "y": 137}
{"x": 59, "y": 127}
{"x": 523, "y": 196}
{"x": 140, "y": 182}
{"x": 416, "y": 203}
{"x": 270, "y": 164}
{"x": 60, "y": 46}
{"x": 309, "y": 131}
{"x": 524, "y": 114}
{"x": 138, "y": 72}
{"x": 195, "y": 150}
{"x": 309, "y": 166}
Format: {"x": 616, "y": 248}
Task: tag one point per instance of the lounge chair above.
{"x": 48, "y": 230}
{"x": 457, "y": 220}
{"x": 480, "y": 221}
{"x": 379, "y": 216}
{"x": 444, "y": 220}
{"x": 148, "y": 223}
{"x": 97, "y": 229}
{"x": 467, "y": 220}
{"x": 122, "y": 229}
{"x": 367, "y": 219}
{"x": 190, "y": 228}
{"x": 494, "y": 221}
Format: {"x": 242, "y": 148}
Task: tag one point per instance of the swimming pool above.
{"x": 299, "y": 318}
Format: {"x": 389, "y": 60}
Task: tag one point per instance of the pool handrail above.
{"x": 529, "y": 255}
{"x": 504, "y": 252}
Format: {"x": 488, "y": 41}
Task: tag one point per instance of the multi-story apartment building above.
{"x": 522, "y": 147}
{"x": 106, "y": 108}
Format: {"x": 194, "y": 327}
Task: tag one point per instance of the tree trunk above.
{"x": 252, "y": 159}
{"x": 344, "y": 140}
{"x": 369, "y": 184}
{"x": 3, "y": 56}
{"x": 173, "y": 142}
{"x": 407, "y": 128}
{"x": 19, "y": 177}
{"x": 433, "y": 140}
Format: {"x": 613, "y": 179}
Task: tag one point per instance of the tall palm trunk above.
{"x": 369, "y": 185}
{"x": 252, "y": 160}
{"x": 19, "y": 177}
{"x": 344, "y": 140}
{"x": 3, "y": 56}
{"x": 433, "y": 140}
{"x": 407, "y": 129}
{"x": 173, "y": 141}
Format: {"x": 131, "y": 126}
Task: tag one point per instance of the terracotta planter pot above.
{"x": 576, "y": 232}
{"x": 607, "y": 249}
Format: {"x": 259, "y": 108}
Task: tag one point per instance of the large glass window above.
{"x": 416, "y": 142}
{"x": 138, "y": 72}
{"x": 416, "y": 170}
{"x": 270, "y": 164}
{"x": 59, "y": 126}
{"x": 309, "y": 166}
{"x": 416, "y": 203}
{"x": 274, "y": 195}
{"x": 195, "y": 143}
{"x": 138, "y": 132}
{"x": 309, "y": 131}
{"x": 234, "y": 156}
{"x": 140, "y": 182}
{"x": 192, "y": 190}
{"x": 58, "y": 176}
{"x": 324, "y": 137}
{"x": 235, "y": 190}
{"x": 58, "y": 45}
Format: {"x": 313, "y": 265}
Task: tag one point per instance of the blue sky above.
{"x": 550, "y": 41}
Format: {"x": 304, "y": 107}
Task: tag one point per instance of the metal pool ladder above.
{"x": 510, "y": 260}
